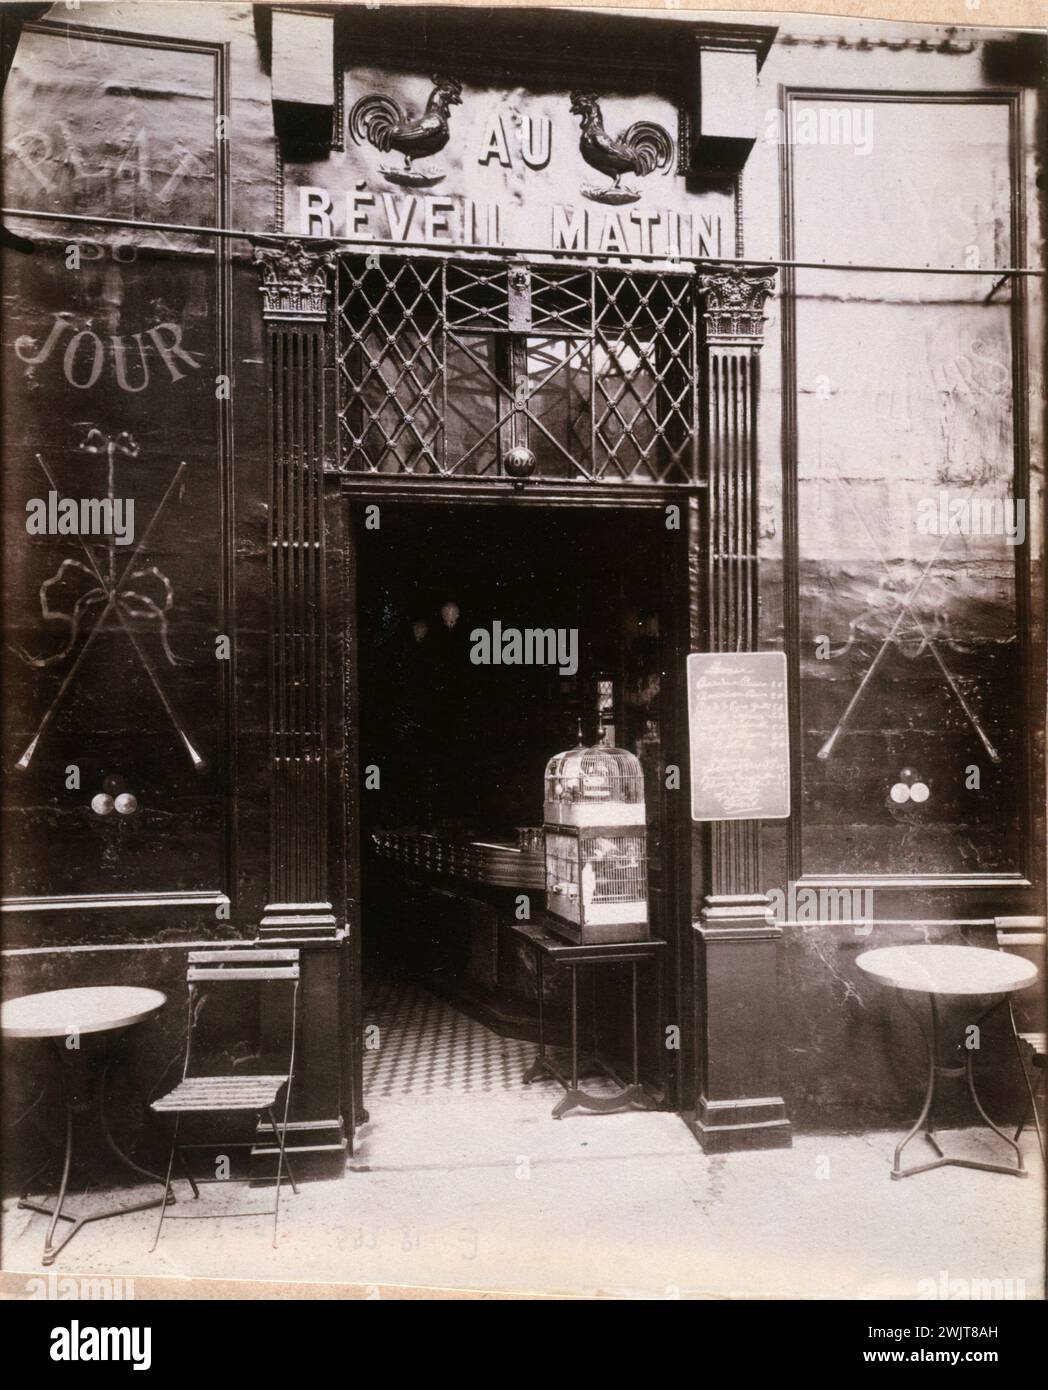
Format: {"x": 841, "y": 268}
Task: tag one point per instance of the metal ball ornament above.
{"x": 520, "y": 464}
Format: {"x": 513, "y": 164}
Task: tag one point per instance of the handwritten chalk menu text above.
{"x": 739, "y": 729}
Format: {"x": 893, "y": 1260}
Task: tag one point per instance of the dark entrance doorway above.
{"x": 452, "y": 751}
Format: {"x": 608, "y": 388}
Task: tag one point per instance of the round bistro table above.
{"x": 63, "y": 1017}
{"x": 950, "y": 972}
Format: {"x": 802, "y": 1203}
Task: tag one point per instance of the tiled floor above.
{"x": 419, "y": 1045}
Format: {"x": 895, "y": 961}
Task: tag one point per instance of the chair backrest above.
{"x": 1021, "y": 931}
{"x": 228, "y": 967}
{"x": 236, "y": 967}
{"x": 1026, "y": 937}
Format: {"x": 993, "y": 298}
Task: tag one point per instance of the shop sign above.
{"x": 437, "y": 162}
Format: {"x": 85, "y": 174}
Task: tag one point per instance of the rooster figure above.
{"x": 642, "y": 149}
{"x": 379, "y": 120}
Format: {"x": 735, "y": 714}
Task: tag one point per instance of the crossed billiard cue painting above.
{"x": 905, "y": 610}
{"x": 112, "y": 596}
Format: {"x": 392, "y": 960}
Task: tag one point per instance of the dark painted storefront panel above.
{"x": 906, "y": 412}
{"x": 75, "y": 393}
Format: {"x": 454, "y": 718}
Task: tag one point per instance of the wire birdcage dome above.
{"x": 596, "y": 785}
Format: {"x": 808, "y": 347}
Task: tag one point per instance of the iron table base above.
{"x": 74, "y": 1105}
{"x": 923, "y": 1125}
{"x": 51, "y": 1250}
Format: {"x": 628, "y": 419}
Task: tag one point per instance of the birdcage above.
{"x": 596, "y": 845}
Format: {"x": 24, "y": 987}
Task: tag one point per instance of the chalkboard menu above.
{"x": 739, "y": 729}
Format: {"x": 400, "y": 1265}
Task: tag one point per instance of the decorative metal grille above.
{"x": 444, "y": 365}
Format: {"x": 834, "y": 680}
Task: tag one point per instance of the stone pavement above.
{"x": 489, "y": 1193}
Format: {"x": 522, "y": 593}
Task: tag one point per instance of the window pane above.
{"x": 475, "y": 399}
{"x": 558, "y": 388}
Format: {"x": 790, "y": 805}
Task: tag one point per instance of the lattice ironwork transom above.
{"x": 445, "y": 365}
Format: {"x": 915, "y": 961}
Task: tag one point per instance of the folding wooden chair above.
{"x": 1026, "y": 936}
{"x": 229, "y": 1094}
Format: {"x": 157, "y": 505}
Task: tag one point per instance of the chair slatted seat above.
{"x": 198, "y": 1093}
{"x": 259, "y": 1093}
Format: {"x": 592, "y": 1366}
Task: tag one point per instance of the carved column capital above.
{"x": 295, "y": 284}
{"x": 734, "y": 304}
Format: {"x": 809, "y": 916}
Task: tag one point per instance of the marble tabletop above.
{"x": 58, "y": 1013}
{"x": 948, "y": 970}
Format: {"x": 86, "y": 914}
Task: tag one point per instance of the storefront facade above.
{"x": 324, "y": 349}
